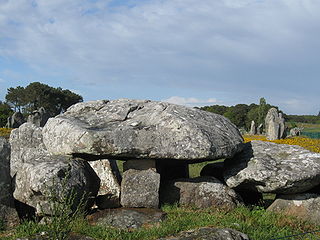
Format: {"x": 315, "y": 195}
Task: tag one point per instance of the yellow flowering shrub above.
{"x": 5, "y": 132}
{"x": 307, "y": 143}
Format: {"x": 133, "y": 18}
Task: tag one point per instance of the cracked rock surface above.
{"x": 273, "y": 168}
{"x": 131, "y": 129}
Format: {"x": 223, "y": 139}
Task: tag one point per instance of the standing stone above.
{"x": 38, "y": 117}
{"x": 268, "y": 167}
{"x": 259, "y": 129}
{"x": 16, "y": 120}
{"x": 274, "y": 123}
{"x": 201, "y": 192}
{"x": 305, "y": 206}
{"x": 140, "y": 188}
{"x": 109, "y": 191}
{"x": 252, "y": 128}
{"x": 7, "y": 212}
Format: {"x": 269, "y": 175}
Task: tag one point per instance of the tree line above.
{"x": 35, "y": 95}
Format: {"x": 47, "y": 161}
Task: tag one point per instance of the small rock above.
{"x": 209, "y": 233}
{"x": 127, "y": 218}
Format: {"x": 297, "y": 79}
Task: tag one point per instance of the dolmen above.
{"x": 76, "y": 152}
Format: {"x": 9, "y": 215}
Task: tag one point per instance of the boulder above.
{"x": 127, "y": 218}
{"x": 38, "y": 117}
{"x": 110, "y": 178}
{"x": 141, "y": 129}
{"x": 305, "y": 206}
{"x": 273, "y": 168}
{"x": 214, "y": 169}
{"x": 51, "y": 180}
{"x": 140, "y": 188}
{"x": 8, "y": 213}
{"x": 209, "y": 233}
{"x": 27, "y": 146}
{"x": 201, "y": 192}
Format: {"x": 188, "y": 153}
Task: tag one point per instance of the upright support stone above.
{"x": 110, "y": 178}
{"x": 140, "y": 188}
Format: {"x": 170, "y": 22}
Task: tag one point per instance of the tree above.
{"x": 36, "y": 95}
{"x": 237, "y": 114}
{"x": 16, "y": 98}
{"x": 5, "y": 112}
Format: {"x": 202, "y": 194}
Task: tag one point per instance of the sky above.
{"x": 189, "y": 52}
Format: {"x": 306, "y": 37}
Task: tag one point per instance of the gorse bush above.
{"x": 5, "y": 132}
{"x": 308, "y": 143}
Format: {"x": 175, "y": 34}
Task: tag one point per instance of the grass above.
{"x": 256, "y": 222}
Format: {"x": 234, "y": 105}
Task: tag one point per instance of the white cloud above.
{"x": 191, "y": 101}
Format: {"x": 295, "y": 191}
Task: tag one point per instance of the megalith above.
{"x": 275, "y": 125}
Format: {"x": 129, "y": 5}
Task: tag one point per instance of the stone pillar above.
{"x": 140, "y": 184}
{"x": 253, "y": 128}
{"x": 259, "y": 129}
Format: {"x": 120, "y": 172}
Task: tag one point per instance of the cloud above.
{"x": 190, "y": 101}
{"x": 258, "y": 47}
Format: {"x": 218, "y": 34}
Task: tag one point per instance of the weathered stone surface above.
{"x": 274, "y": 168}
{"x": 37, "y": 184}
{"x": 305, "y": 206}
{"x": 127, "y": 218}
{"x": 7, "y": 212}
{"x": 131, "y": 129}
{"x": 5, "y": 179}
{"x": 38, "y": 117}
{"x": 140, "y": 188}
{"x": 213, "y": 170}
{"x": 109, "y": 192}
{"x": 209, "y": 233}
{"x": 252, "y": 128}
{"x": 274, "y": 123}
{"x": 26, "y": 145}
{"x": 201, "y": 192}
{"x": 15, "y": 121}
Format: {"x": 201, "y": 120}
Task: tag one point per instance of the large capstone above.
{"x": 133, "y": 129}
{"x": 273, "y": 168}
